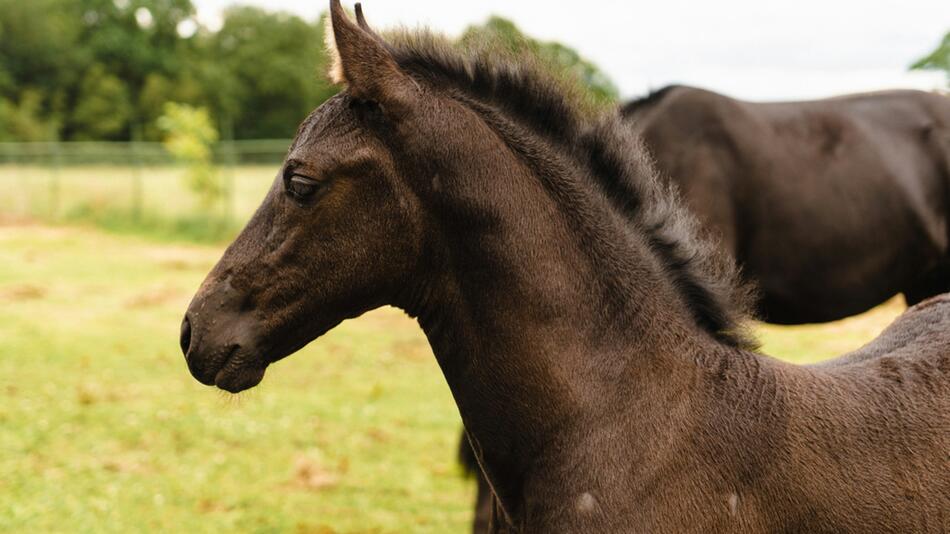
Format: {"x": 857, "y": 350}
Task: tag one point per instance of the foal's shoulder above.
{"x": 920, "y": 333}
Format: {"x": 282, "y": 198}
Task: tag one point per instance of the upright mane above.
{"x": 650, "y": 99}
{"x": 523, "y": 92}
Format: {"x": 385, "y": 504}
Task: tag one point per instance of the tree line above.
{"x": 104, "y": 69}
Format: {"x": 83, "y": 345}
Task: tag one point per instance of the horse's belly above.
{"x": 818, "y": 278}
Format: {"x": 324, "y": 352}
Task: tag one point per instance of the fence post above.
{"x": 54, "y": 184}
{"x": 230, "y": 163}
{"x": 136, "y": 173}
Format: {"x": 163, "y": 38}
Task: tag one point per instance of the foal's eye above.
{"x": 366, "y": 108}
{"x": 302, "y": 188}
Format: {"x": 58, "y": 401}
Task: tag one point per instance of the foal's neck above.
{"x": 540, "y": 332}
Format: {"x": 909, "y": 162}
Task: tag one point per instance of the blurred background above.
{"x": 137, "y": 136}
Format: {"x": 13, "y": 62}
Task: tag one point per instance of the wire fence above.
{"x": 136, "y": 152}
{"x": 134, "y": 181}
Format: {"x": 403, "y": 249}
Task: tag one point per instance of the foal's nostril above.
{"x": 185, "y": 339}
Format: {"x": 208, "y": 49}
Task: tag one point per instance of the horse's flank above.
{"x": 856, "y": 189}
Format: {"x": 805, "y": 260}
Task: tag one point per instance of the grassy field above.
{"x": 103, "y": 430}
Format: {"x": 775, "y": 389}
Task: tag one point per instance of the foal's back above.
{"x": 871, "y": 430}
{"x": 858, "y": 444}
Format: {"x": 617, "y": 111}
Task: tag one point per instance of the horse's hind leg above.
{"x": 933, "y": 282}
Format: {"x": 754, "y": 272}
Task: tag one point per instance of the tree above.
{"x": 190, "y": 137}
{"x": 40, "y": 64}
{"x": 103, "y": 108}
{"x": 133, "y": 40}
{"x": 563, "y": 61}
{"x": 939, "y": 59}
{"x": 23, "y": 121}
{"x": 65, "y": 51}
{"x": 103, "y": 69}
{"x": 272, "y": 71}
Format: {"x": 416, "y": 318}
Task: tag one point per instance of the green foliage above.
{"x": 139, "y": 48}
{"x": 271, "y": 73}
{"x": 939, "y": 59}
{"x": 22, "y": 121}
{"x": 190, "y": 136}
{"x": 103, "y": 106}
{"x": 502, "y": 34}
{"x": 156, "y": 91}
{"x": 103, "y": 69}
{"x": 39, "y": 63}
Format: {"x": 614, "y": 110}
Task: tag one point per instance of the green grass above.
{"x": 102, "y": 429}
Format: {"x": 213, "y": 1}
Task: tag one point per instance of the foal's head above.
{"x": 342, "y": 229}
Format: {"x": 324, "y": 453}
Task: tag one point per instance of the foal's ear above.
{"x": 362, "y": 61}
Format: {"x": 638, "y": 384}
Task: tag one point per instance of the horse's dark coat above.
{"x": 830, "y": 206}
{"x": 591, "y": 343}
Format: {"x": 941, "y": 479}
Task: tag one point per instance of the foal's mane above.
{"x": 524, "y": 92}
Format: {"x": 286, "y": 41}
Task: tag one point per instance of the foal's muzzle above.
{"x": 219, "y": 342}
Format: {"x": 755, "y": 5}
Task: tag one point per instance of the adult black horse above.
{"x": 830, "y": 206}
{"x": 591, "y": 341}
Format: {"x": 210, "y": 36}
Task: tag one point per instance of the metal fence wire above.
{"x": 137, "y": 179}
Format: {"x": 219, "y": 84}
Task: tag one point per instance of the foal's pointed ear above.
{"x": 363, "y": 62}
{"x": 361, "y": 20}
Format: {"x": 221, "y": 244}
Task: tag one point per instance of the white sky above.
{"x": 753, "y": 49}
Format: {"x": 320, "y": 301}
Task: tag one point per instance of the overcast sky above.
{"x": 753, "y": 49}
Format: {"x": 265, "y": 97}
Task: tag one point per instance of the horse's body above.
{"x": 856, "y": 189}
{"x": 590, "y": 340}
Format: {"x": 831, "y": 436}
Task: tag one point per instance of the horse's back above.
{"x": 908, "y": 130}
{"x": 831, "y": 206}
